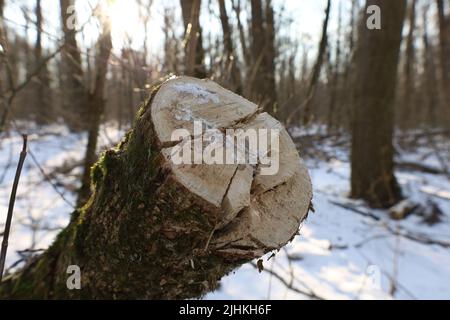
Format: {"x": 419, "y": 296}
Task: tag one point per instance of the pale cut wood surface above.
{"x": 256, "y": 212}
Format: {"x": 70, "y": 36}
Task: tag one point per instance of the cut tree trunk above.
{"x": 153, "y": 229}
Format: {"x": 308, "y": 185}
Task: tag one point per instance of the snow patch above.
{"x": 200, "y": 93}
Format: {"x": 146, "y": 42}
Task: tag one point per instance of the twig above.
{"x": 355, "y": 209}
{"x": 417, "y": 237}
{"x": 419, "y": 167}
{"x": 14, "y": 90}
{"x": 288, "y": 285}
{"x": 41, "y": 170}
{"x": 400, "y": 232}
{"x": 49, "y": 180}
{"x": 12, "y": 200}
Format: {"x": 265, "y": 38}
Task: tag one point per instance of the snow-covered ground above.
{"x": 345, "y": 250}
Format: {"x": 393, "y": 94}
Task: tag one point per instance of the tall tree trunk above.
{"x": 242, "y": 38}
{"x": 348, "y": 76}
{"x": 409, "y": 68}
{"x": 262, "y": 72}
{"x": 429, "y": 78}
{"x": 42, "y": 86}
{"x": 255, "y": 80}
{"x": 2, "y": 33}
{"x": 235, "y": 81}
{"x": 4, "y": 105}
{"x": 269, "y": 78}
{"x": 372, "y": 177}
{"x": 313, "y": 82}
{"x": 304, "y": 68}
{"x": 75, "y": 93}
{"x": 153, "y": 229}
{"x": 170, "y": 44}
{"x": 10, "y": 74}
{"x": 354, "y": 12}
{"x": 194, "y": 53}
{"x": 2, "y": 8}
{"x": 96, "y": 107}
{"x": 335, "y": 75}
{"x": 444, "y": 40}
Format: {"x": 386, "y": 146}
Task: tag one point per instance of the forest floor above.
{"x": 345, "y": 250}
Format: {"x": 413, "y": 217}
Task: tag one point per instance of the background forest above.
{"x": 368, "y": 109}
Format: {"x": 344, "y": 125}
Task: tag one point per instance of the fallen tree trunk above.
{"x": 156, "y": 230}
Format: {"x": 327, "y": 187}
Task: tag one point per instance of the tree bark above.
{"x": 2, "y": 8}
{"x": 429, "y": 79}
{"x": 348, "y": 64}
{"x": 76, "y": 102}
{"x": 270, "y": 58}
{"x": 156, "y": 230}
{"x": 242, "y": 39}
{"x": 4, "y": 106}
{"x": 372, "y": 176}
{"x": 409, "y": 68}
{"x": 444, "y": 40}
{"x": 235, "y": 81}
{"x": 96, "y": 107}
{"x": 194, "y": 53}
{"x": 312, "y": 86}
{"x": 262, "y": 72}
{"x": 335, "y": 76}
{"x": 171, "y": 49}
{"x": 42, "y": 86}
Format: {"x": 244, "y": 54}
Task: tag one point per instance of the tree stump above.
{"x": 153, "y": 229}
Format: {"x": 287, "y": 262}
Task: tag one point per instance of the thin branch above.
{"x": 288, "y": 285}
{"x": 12, "y": 200}
{"x": 417, "y": 237}
{"x": 16, "y": 89}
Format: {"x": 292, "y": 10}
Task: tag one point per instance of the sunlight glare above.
{"x": 125, "y": 21}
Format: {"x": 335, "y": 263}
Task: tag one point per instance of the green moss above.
{"x": 98, "y": 171}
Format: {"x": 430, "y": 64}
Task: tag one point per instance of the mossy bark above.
{"x": 134, "y": 239}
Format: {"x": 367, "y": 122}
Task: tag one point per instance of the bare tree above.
{"x": 444, "y": 40}
{"x": 409, "y": 67}
{"x": 270, "y": 57}
{"x": 96, "y": 108}
{"x": 312, "y": 86}
{"x": 235, "y": 81}
{"x": 74, "y": 91}
{"x": 242, "y": 38}
{"x": 42, "y": 83}
{"x": 372, "y": 176}
{"x": 429, "y": 66}
{"x": 335, "y": 74}
{"x": 262, "y": 73}
{"x": 3, "y": 45}
{"x": 171, "y": 47}
{"x": 193, "y": 42}
{"x": 348, "y": 63}
{"x": 2, "y": 8}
